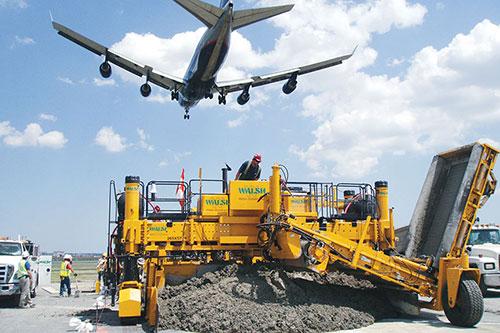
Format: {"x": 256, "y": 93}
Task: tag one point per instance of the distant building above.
{"x": 57, "y": 254}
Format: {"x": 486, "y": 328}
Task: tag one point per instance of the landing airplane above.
{"x": 200, "y": 79}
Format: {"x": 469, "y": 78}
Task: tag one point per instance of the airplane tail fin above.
{"x": 242, "y": 18}
{"x": 204, "y": 12}
{"x": 209, "y": 14}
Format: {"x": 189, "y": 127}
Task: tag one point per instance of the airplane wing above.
{"x": 260, "y": 80}
{"x": 163, "y": 80}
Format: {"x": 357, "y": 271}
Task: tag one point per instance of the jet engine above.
{"x": 291, "y": 84}
{"x": 244, "y": 97}
{"x": 105, "y": 69}
{"x": 145, "y": 90}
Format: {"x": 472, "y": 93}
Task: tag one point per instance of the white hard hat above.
{"x": 26, "y": 254}
{"x": 67, "y": 256}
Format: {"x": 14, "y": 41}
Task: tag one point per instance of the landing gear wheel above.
{"x": 186, "y": 116}
{"x": 469, "y": 305}
{"x": 174, "y": 95}
{"x": 222, "y": 99}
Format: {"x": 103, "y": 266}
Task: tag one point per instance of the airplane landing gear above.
{"x": 186, "y": 116}
{"x": 175, "y": 95}
{"x": 209, "y": 95}
{"x": 222, "y": 99}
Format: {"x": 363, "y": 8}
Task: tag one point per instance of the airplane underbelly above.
{"x": 204, "y": 59}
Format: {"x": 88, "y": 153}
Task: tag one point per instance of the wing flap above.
{"x": 166, "y": 81}
{"x": 242, "y": 18}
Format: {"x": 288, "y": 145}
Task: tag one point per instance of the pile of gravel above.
{"x": 257, "y": 298}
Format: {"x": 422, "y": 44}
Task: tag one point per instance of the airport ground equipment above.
{"x": 483, "y": 249}
{"x": 319, "y": 226}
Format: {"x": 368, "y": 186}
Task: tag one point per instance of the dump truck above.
{"x": 158, "y": 237}
{"x": 483, "y": 249}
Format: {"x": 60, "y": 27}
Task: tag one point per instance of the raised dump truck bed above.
{"x": 443, "y": 200}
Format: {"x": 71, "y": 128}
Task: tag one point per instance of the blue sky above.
{"x": 424, "y": 79}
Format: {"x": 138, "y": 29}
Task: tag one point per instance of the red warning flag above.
{"x": 180, "y": 190}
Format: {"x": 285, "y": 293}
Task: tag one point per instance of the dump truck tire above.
{"x": 469, "y": 305}
{"x": 483, "y": 287}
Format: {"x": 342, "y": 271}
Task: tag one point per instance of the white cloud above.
{"x": 165, "y": 55}
{"x": 24, "y": 40}
{"x": 237, "y": 122}
{"x": 65, "y": 80}
{"x": 13, "y": 3}
{"x": 179, "y": 156}
{"x": 445, "y": 94}
{"x": 395, "y": 62}
{"x": 32, "y": 136}
{"x": 110, "y": 140}
{"x": 106, "y": 82}
{"x": 5, "y": 129}
{"x": 45, "y": 116}
{"x": 163, "y": 164}
{"x": 142, "y": 142}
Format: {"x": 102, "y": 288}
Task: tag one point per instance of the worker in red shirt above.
{"x": 64, "y": 275}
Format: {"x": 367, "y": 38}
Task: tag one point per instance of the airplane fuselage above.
{"x": 207, "y": 60}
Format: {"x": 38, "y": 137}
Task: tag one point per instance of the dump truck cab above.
{"x": 483, "y": 249}
{"x": 10, "y": 256}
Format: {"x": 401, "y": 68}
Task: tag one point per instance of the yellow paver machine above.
{"x": 158, "y": 237}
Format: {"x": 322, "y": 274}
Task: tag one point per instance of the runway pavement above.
{"x": 53, "y": 314}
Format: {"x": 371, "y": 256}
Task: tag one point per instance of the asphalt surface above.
{"x": 53, "y": 314}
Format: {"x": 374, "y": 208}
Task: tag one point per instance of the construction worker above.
{"x": 25, "y": 278}
{"x": 249, "y": 170}
{"x": 66, "y": 269}
{"x": 101, "y": 266}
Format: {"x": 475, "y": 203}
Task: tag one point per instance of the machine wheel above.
{"x": 16, "y": 300}
{"x": 483, "y": 287}
{"x": 469, "y": 305}
{"x": 129, "y": 320}
{"x": 33, "y": 293}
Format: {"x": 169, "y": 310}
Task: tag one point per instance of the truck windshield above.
{"x": 10, "y": 249}
{"x": 484, "y": 236}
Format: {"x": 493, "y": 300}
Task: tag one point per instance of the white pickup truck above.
{"x": 483, "y": 249}
{"x": 10, "y": 255}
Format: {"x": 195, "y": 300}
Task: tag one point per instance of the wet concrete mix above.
{"x": 267, "y": 298}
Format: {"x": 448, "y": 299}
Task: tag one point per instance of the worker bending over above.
{"x": 64, "y": 275}
{"x": 25, "y": 278}
{"x": 250, "y": 170}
